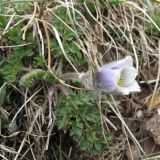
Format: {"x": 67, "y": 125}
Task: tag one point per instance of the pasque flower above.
{"x": 118, "y": 77}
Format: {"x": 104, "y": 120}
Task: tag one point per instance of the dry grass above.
{"x": 113, "y": 32}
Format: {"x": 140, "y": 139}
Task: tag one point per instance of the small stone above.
{"x": 153, "y": 128}
{"x": 139, "y": 114}
{"x": 133, "y": 153}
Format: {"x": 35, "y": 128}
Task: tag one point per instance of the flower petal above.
{"x": 127, "y": 61}
{"x": 134, "y": 87}
{"x": 122, "y": 90}
{"x": 129, "y": 75}
{"x": 106, "y": 79}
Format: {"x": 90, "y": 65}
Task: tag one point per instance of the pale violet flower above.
{"x": 118, "y": 77}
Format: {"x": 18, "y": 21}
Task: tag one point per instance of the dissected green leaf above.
{"x": 12, "y": 65}
{"x": 83, "y": 120}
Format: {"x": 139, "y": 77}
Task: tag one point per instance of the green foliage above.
{"x": 2, "y": 93}
{"x": 12, "y": 65}
{"x": 75, "y": 55}
{"x": 23, "y": 7}
{"x": 67, "y": 37}
{"x": 3, "y": 21}
{"x": 78, "y": 114}
{"x": 92, "y": 6}
{"x": 14, "y": 35}
{"x": 4, "y": 115}
{"x": 66, "y": 34}
{"x": 116, "y": 2}
{"x": 1, "y": 6}
{"x": 150, "y": 27}
{"x": 38, "y": 61}
{"x": 31, "y": 78}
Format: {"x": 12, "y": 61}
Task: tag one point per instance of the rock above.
{"x": 153, "y": 128}
{"x": 139, "y": 114}
{"x": 133, "y": 153}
